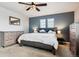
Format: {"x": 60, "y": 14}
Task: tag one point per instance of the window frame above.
{"x": 50, "y": 23}
{"x": 42, "y": 23}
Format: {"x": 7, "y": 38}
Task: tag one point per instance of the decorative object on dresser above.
{"x": 14, "y": 20}
{"x": 9, "y": 37}
{"x": 74, "y": 38}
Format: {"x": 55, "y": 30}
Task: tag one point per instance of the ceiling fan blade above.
{"x": 24, "y": 3}
{"x": 33, "y": 3}
{"x": 37, "y": 9}
{"x": 44, "y": 4}
{"x": 28, "y": 8}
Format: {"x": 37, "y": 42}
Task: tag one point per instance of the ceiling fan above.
{"x": 33, "y": 5}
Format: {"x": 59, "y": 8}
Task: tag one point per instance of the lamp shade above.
{"x": 59, "y": 31}
{"x": 35, "y": 29}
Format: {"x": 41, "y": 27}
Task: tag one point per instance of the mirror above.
{"x": 14, "y": 20}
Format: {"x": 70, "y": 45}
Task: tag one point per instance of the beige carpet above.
{"x": 16, "y": 51}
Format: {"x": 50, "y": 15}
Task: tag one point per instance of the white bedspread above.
{"x": 46, "y": 38}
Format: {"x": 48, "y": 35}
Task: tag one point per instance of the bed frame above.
{"x": 38, "y": 45}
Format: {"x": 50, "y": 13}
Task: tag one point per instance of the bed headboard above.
{"x": 47, "y": 29}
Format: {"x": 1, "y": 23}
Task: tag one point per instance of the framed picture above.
{"x": 14, "y": 20}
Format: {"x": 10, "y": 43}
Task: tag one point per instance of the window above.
{"x": 42, "y": 23}
{"x": 50, "y": 23}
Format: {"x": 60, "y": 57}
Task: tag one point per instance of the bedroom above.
{"x": 47, "y": 29}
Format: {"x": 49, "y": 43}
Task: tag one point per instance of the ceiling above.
{"x": 51, "y": 8}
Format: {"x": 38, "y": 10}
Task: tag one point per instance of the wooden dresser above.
{"x": 74, "y": 39}
{"x": 9, "y": 37}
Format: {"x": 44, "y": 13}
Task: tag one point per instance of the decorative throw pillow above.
{"x": 42, "y": 31}
{"x": 50, "y": 31}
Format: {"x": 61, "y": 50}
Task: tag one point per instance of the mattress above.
{"x": 46, "y": 38}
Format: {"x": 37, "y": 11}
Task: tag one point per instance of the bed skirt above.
{"x": 38, "y": 45}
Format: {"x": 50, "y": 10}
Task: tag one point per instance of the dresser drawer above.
{"x": 10, "y": 36}
{"x": 10, "y": 42}
{"x": 73, "y": 50}
{"x": 6, "y": 35}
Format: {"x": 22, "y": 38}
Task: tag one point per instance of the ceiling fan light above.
{"x": 33, "y": 6}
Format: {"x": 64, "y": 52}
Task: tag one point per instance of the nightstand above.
{"x": 60, "y": 37}
{"x": 61, "y": 40}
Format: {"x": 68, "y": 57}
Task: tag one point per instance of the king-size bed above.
{"x": 47, "y": 41}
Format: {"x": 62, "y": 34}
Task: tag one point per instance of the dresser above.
{"x": 74, "y": 38}
{"x": 8, "y": 38}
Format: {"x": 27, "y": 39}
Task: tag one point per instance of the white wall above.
{"x": 4, "y": 21}
{"x": 76, "y": 15}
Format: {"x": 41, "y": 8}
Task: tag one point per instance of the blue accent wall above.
{"x": 62, "y": 21}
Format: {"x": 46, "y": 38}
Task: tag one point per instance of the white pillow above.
{"x": 50, "y": 31}
{"x": 42, "y": 31}
{"x": 35, "y": 31}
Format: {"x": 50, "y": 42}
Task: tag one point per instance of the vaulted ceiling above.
{"x": 51, "y": 8}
